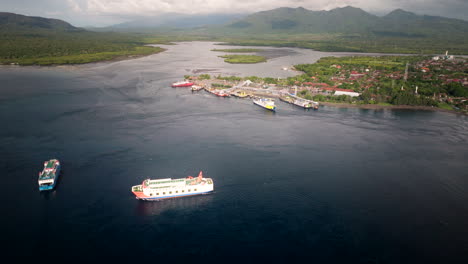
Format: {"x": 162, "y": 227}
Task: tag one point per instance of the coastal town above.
{"x": 436, "y": 82}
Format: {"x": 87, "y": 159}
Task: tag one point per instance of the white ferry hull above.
{"x": 155, "y": 198}
{"x": 152, "y": 190}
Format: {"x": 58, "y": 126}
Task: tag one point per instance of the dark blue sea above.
{"x": 335, "y": 185}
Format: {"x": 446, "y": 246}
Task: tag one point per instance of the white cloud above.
{"x": 74, "y": 6}
{"x": 151, "y": 7}
{"x": 146, "y": 7}
{"x": 99, "y": 12}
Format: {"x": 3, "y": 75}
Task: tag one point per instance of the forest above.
{"x": 47, "y": 48}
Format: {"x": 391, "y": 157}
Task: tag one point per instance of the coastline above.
{"x": 121, "y": 58}
{"x": 114, "y": 59}
{"x": 398, "y": 107}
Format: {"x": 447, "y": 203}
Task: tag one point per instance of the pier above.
{"x": 251, "y": 89}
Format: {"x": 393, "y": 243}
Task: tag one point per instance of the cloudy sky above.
{"x": 108, "y": 12}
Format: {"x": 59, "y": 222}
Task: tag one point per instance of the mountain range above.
{"x": 346, "y": 20}
{"x": 340, "y": 29}
{"x": 11, "y": 22}
{"x": 175, "y": 20}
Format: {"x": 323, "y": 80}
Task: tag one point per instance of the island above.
{"x": 237, "y": 50}
{"x": 243, "y": 58}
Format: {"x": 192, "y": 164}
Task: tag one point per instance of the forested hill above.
{"x": 346, "y": 20}
{"x": 35, "y": 40}
{"x": 10, "y": 22}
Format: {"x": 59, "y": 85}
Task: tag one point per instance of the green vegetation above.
{"x": 85, "y": 58}
{"x": 229, "y": 78}
{"x": 47, "y": 48}
{"x": 354, "y": 43}
{"x": 237, "y": 50}
{"x": 381, "y": 80}
{"x": 204, "y": 77}
{"x": 346, "y": 29}
{"x": 40, "y": 41}
{"x": 445, "y": 106}
{"x": 243, "y": 58}
{"x": 220, "y": 86}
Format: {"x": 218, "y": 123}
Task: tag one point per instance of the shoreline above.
{"x": 397, "y": 107}
{"x": 115, "y": 59}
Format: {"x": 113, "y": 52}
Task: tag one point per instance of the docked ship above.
{"x": 241, "y": 94}
{"x": 218, "y": 92}
{"x": 287, "y": 99}
{"x": 182, "y": 84}
{"x": 196, "y": 87}
{"x": 48, "y": 177}
{"x": 172, "y": 188}
{"x": 266, "y": 103}
{"x": 304, "y": 103}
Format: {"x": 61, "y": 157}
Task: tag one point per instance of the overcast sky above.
{"x": 108, "y": 12}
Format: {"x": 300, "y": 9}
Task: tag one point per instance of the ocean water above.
{"x": 334, "y": 185}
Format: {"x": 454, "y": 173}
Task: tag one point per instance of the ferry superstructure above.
{"x": 159, "y": 189}
{"x": 301, "y": 102}
{"x": 48, "y": 177}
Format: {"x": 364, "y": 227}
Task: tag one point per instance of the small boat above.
{"x": 196, "y": 87}
{"x": 241, "y": 94}
{"x": 49, "y": 175}
{"x": 153, "y": 190}
{"x": 182, "y": 84}
{"x": 315, "y": 105}
{"x": 266, "y": 103}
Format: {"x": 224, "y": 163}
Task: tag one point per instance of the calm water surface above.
{"x": 337, "y": 185}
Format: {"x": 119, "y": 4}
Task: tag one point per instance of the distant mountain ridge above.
{"x": 176, "y": 20}
{"x": 16, "y": 22}
{"x": 347, "y": 20}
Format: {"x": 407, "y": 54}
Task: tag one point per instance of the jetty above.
{"x": 248, "y": 89}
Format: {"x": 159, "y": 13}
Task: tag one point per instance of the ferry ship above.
{"x": 287, "y": 99}
{"x": 48, "y": 177}
{"x": 159, "y": 189}
{"x": 304, "y": 103}
{"x": 182, "y": 84}
{"x": 266, "y": 103}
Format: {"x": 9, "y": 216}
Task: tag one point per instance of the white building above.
{"x": 352, "y": 94}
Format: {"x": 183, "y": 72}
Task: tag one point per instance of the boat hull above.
{"x": 141, "y": 196}
{"x": 219, "y": 93}
{"x": 182, "y": 84}
{"x": 160, "y": 189}
{"x": 273, "y": 109}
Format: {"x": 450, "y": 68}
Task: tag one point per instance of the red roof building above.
{"x": 337, "y": 89}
